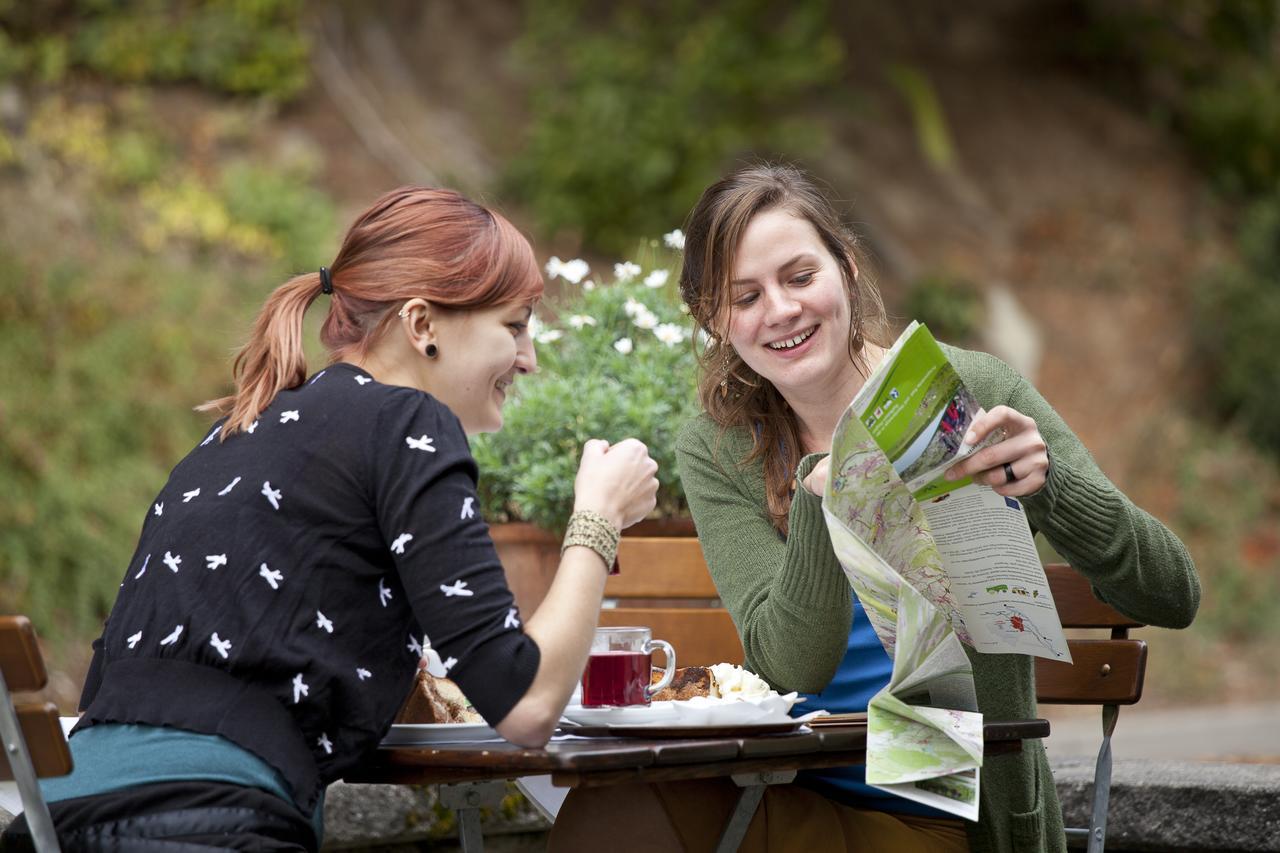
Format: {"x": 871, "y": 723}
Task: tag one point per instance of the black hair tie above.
{"x": 326, "y": 283}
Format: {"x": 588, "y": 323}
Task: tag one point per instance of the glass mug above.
{"x": 620, "y": 667}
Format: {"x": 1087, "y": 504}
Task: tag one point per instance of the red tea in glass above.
{"x": 616, "y": 678}
{"x": 619, "y": 668}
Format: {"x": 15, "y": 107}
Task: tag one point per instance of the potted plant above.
{"x": 615, "y": 361}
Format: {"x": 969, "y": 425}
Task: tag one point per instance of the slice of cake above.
{"x": 436, "y": 700}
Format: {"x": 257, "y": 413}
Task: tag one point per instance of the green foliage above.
{"x": 1229, "y": 498}
{"x": 950, "y": 306}
{"x": 1212, "y": 66}
{"x": 254, "y": 47}
{"x": 1238, "y": 324}
{"x": 589, "y": 385}
{"x": 632, "y": 116}
{"x": 120, "y": 302}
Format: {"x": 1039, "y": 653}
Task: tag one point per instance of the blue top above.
{"x": 865, "y": 668}
{"x": 113, "y": 756}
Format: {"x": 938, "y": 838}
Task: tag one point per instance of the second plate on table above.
{"x": 419, "y": 734}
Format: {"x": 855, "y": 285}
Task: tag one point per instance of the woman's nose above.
{"x": 526, "y": 358}
{"x": 780, "y": 307}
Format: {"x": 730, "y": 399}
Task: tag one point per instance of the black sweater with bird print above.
{"x": 285, "y": 577}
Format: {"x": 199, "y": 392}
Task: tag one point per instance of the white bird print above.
{"x": 172, "y": 561}
{"x": 223, "y": 647}
{"x": 300, "y": 688}
{"x": 512, "y": 621}
{"x": 448, "y": 664}
{"x": 364, "y": 380}
{"x": 158, "y": 509}
{"x": 135, "y": 639}
{"x": 384, "y": 594}
{"x": 173, "y": 636}
{"x": 229, "y": 487}
{"x": 362, "y": 673}
{"x": 215, "y": 560}
{"x": 468, "y": 511}
{"x": 456, "y": 588}
{"x": 401, "y": 540}
{"x": 324, "y": 742}
{"x": 211, "y": 435}
{"x": 272, "y": 495}
{"x": 143, "y": 570}
{"x": 316, "y": 378}
{"x": 323, "y": 621}
{"x": 251, "y": 427}
{"x": 187, "y": 496}
{"x": 423, "y": 443}
{"x": 271, "y": 576}
{"x": 291, "y": 415}
{"x": 415, "y": 648}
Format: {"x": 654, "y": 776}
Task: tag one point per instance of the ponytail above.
{"x": 272, "y": 360}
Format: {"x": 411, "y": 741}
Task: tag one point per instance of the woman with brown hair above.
{"x": 771, "y": 275}
{"x": 272, "y": 618}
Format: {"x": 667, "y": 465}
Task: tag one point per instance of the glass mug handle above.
{"x": 670, "y": 672}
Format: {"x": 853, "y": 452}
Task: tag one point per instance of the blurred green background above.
{"x": 1090, "y": 190}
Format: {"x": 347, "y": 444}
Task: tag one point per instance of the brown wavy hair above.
{"x": 730, "y": 392}
{"x": 434, "y": 244}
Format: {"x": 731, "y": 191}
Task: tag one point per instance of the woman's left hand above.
{"x": 1021, "y": 453}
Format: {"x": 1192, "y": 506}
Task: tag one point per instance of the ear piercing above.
{"x": 432, "y": 351}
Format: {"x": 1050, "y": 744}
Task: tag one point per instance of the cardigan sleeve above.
{"x": 1134, "y": 562}
{"x": 788, "y": 598}
{"x": 424, "y": 482}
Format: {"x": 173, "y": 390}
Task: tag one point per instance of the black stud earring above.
{"x": 431, "y": 351}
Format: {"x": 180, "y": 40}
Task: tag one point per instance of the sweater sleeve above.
{"x": 1134, "y": 562}
{"x": 427, "y": 509}
{"x": 789, "y": 599}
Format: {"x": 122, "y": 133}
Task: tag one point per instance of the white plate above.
{"x": 416, "y": 734}
{"x": 656, "y": 714}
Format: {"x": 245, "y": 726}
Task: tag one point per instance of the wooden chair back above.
{"x": 1106, "y": 671}
{"x": 665, "y": 586}
{"x": 23, "y": 668}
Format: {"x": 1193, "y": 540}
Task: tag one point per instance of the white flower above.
{"x": 588, "y": 285}
{"x": 633, "y": 307}
{"x": 623, "y": 345}
{"x": 626, "y": 271}
{"x": 644, "y": 318}
{"x": 580, "y": 320}
{"x": 669, "y": 333}
{"x": 674, "y": 239}
{"x": 703, "y": 337}
{"x": 549, "y": 336}
{"x": 656, "y": 279}
{"x": 571, "y": 271}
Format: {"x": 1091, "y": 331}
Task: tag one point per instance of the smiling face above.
{"x": 789, "y": 317}
{"x": 480, "y": 353}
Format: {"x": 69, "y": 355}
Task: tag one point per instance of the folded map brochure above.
{"x": 937, "y": 564}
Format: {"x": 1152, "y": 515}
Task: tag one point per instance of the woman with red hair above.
{"x": 272, "y": 618}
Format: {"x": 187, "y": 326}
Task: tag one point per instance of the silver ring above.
{"x": 1008, "y": 473}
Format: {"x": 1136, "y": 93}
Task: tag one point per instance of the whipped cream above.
{"x": 734, "y": 682}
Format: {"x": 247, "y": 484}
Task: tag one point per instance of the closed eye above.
{"x": 802, "y": 279}
{"x": 746, "y": 298}
{"x": 518, "y": 329}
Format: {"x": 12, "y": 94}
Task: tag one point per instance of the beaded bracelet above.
{"x": 592, "y": 530}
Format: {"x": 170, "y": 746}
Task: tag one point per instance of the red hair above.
{"x": 413, "y": 242}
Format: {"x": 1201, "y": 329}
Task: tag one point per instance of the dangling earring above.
{"x": 431, "y": 351}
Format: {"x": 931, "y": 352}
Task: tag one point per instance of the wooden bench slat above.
{"x": 42, "y": 731}
{"x": 654, "y": 567}
{"x": 701, "y": 636}
{"x": 20, "y": 658}
{"x": 1076, "y": 603}
{"x": 1105, "y": 672}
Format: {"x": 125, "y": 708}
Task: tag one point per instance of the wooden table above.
{"x": 753, "y": 761}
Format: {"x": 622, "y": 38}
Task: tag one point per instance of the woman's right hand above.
{"x": 616, "y": 481}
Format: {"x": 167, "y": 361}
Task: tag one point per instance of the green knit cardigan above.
{"x": 791, "y": 604}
